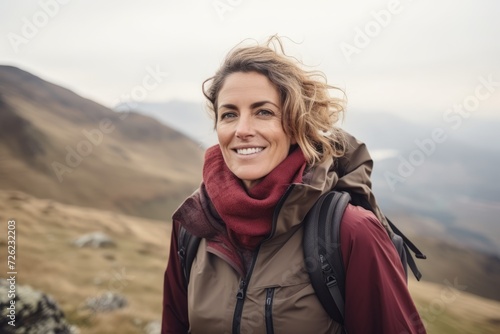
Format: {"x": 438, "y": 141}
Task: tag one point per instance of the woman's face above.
{"x": 249, "y": 128}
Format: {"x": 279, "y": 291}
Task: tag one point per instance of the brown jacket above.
{"x": 276, "y": 296}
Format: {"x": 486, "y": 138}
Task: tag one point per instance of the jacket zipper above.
{"x": 269, "y": 310}
{"x": 242, "y": 290}
{"x": 241, "y": 294}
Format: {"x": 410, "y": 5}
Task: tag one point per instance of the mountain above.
{"x": 449, "y": 262}
{"x": 58, "y": 145}
{"x": 190, "y": 118}
{"x": 449, "y": 179}
{"x": 134, "y": 268}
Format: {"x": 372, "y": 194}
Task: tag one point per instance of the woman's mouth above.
{"x": 249, "y": 150}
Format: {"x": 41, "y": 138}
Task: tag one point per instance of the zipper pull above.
{"x": 241, "y": 291}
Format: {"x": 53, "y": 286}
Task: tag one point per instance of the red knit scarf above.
{"x": 248, "y": 214}
{"x": 232, "y": 219}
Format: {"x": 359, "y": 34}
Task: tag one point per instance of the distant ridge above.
{"x": 55, "y": 144}
{"x": 190, "y": 118}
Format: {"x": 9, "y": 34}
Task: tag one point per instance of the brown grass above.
{"x": 447, "y": 310}
{"x": 47, "y": 261}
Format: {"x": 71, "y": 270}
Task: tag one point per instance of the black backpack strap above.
{"x": 407, "y": 246}
{"x": 322, "y": 251}
{"x": 187, "y": 249}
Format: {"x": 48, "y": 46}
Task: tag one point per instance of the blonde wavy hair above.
{"x": 309, "y": 112}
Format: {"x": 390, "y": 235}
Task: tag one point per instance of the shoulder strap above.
{"x": 322, "y": 251}
{"x": 323, "y": 256}
{"x": 406, "y": 246}
{"x": 188, "y": 247}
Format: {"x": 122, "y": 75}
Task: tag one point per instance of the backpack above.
{"x": 321, "y": 244}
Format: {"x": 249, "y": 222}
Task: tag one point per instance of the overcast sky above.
{"x": 414, "y": 58}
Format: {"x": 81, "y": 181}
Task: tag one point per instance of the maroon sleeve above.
{"x": 175, "y": 313}
{"x": 376, "y": 293}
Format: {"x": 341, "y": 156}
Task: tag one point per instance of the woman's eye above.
{"x": 227, "y": 115}
{"x": 265, "y": 112}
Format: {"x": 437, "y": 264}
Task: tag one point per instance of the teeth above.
{"x": 247, "y": 151}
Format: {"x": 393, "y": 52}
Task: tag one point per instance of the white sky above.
{"x": 426, "y": 58}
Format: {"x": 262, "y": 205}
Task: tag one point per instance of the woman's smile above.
{"x": 249, "y": 151}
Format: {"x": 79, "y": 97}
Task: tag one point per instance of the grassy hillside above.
{"x": 48, "y": 261}
{"x": 55, "y": 144}
{"x": 447, "y": 260}
{"x": 454, "y": 310}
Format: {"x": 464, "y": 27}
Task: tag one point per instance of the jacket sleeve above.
{"x": 377, "y": 299}
{"x": 175, "y": 311}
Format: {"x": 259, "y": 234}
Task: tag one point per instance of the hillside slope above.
{"x": 450, "y": 260}
{"x": 134, "y": 268}
{"x": 56, "y": 144}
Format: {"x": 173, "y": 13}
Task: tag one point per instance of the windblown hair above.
{"x": 309, "y": 113}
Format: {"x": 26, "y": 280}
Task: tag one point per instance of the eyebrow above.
{"x": 253, "y": 105}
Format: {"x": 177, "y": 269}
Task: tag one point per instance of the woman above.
{"x": 278, "y": 152}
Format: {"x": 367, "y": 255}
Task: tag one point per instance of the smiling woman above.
{"x": 308, "y": 111}
{"x": 251, "y": 137}
{"x": 279, "y": 151}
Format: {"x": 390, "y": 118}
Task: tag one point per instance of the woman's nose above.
{"x": 245, "y": 127}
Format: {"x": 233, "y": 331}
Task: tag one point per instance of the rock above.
{"x": 154, "y": 327}
{"x": 35, "y": 312}
{"x": 95, "y": 240}
{"x": 106, "y": 302}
